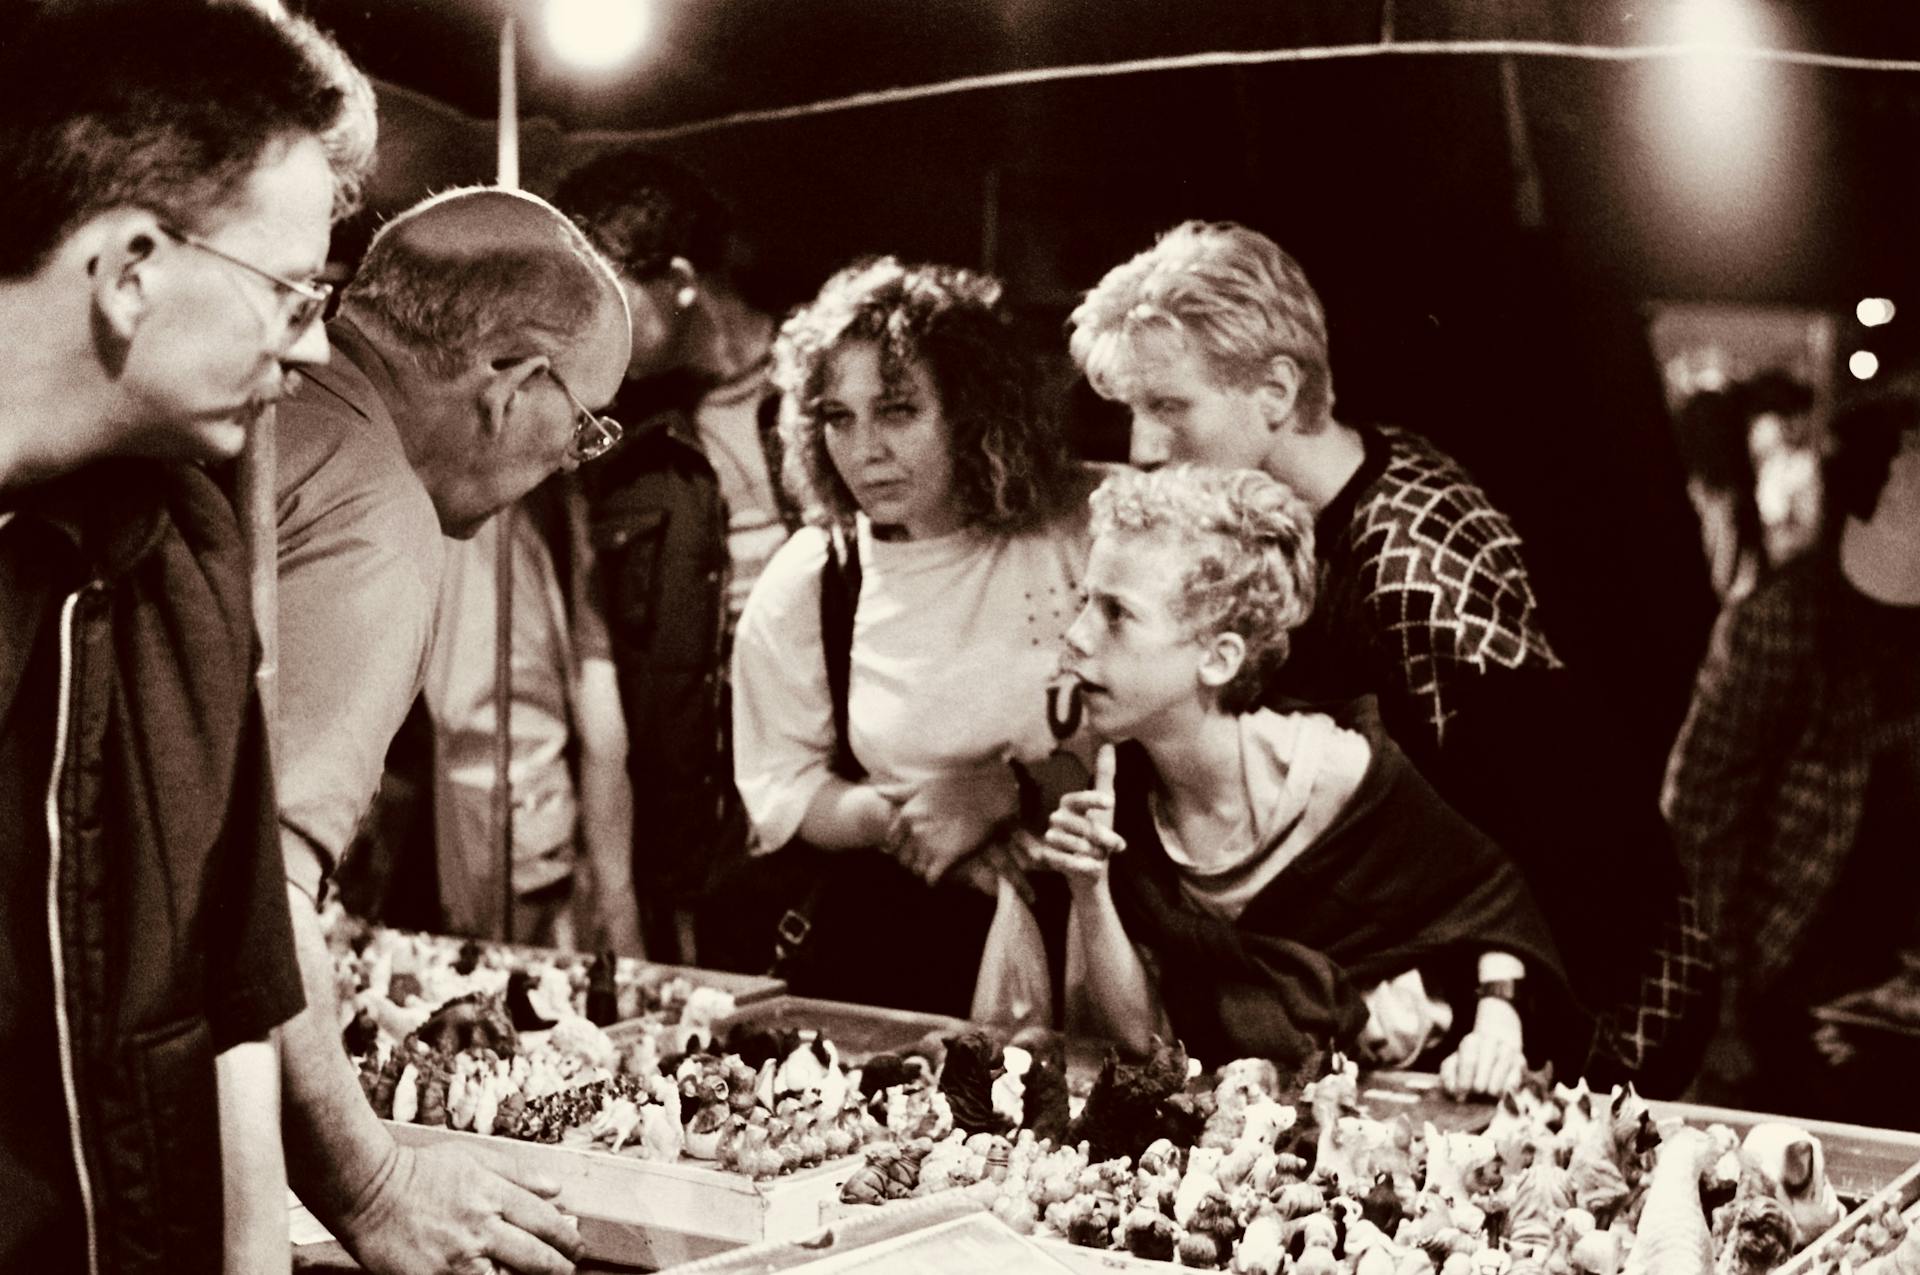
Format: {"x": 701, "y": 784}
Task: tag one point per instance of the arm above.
{"x": 1720, "y": 765}
{"x": 1105, "y": 974}
{"x": 253, "y": 1171}
{"x": 600, "y": 723}
{"x": 847, "y": 816}
{"x": 606, "y": 807}
{"x": 399, "y": 1211}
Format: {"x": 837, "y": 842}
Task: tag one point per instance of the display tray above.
{"x": 640, "y": 1213}
{"x": 1867, "y": 1166}
{"x": 745, "y": 989}
{"x": 857, "y": 1031}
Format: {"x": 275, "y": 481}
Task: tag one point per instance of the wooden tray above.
{"x": 857, "y": 1031}
{"x": 655, "y": 1215}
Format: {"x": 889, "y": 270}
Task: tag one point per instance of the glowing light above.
{"x": 1714, "y": 111}
{"x": 1863, "y": 364}
{"x": 596, "y": 34}
{"x": 1874, "y": 311}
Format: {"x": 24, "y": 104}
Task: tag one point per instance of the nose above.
{"x": 310, "y": 348}
{"x": 870, "y": 441}
{"x": 1076, "y": 638}
{"x": 1149, "y": 445}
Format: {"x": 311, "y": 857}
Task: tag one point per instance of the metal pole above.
{"x": 508, "y": 178}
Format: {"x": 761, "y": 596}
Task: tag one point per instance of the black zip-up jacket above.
{"x": 659, "y": 530}
{"x": 145, "y": 907}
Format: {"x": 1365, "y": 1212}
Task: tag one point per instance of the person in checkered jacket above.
{"x": 1216, "y": 342}
{"x": 1794, "y": 787}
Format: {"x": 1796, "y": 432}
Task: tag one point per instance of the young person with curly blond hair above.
{"x": 916, "y": 435}
{"x": 1290, "y": 872}
{"x": 1217, "y": 343}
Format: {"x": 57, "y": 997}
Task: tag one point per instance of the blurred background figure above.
{"x": 685, "y": 514}
{"x": 1794, "y": 787}
{"x": 572, "y": 821}
{"x": 1752, "y": 453}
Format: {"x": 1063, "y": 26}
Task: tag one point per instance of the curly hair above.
{"x": 1010, "y": 464}
{"x": 1250, "y": 565}
{"x": 1232, "y": 291}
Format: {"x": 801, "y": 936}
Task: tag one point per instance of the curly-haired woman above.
{"x": 1289, "y": 872}
{"x": 916, "y": 433}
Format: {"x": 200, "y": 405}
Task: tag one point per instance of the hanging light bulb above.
{"x": 596, "y": 34}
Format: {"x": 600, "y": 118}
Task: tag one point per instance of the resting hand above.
{"x": 1490, "y": 1059}
{"x": 440, "y": 1211}
{"x": 946, "y": 819}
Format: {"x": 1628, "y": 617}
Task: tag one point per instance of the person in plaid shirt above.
{"x": 1794, "y": 787}
{"x": 1216, "y": 342}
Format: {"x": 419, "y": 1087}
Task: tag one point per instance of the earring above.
{"x": 684, "y": 297}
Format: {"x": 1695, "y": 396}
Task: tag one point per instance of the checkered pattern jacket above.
{"x": 1768, "y": 779}
{"x": 1425, "y": 601}
{"x": 1430, "y": 569}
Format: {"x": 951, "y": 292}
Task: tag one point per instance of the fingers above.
{"x": 529, "y": 1179}
{"x": 1104, "y": 763}
{"x": 515, "y": 1249}
{"x": 1483, "y": 1064}
{"x": 1076, "y": 833}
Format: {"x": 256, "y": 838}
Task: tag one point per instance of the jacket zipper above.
{"x": 61, "y": 1025}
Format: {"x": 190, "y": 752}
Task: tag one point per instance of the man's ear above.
{"x": 1279, "y": 391}
{"x": 502, "y": 382}
{"x": 1221, "y": 657}
{"x": 120, "y": 268}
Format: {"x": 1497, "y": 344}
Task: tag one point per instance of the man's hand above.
{"x": 1490, "y": 1059}
{"x": 440, "y": 1211}
{"x": 945, "y": 820}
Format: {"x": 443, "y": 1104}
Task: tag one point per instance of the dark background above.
{"x": 1488, "y": 232}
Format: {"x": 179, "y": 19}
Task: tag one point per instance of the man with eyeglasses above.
{"x": 169, "y": 173}
{"x": 471, "y": 352}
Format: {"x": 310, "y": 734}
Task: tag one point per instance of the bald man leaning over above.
{"x": 480, "y": 329}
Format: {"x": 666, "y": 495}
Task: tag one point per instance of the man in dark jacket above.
{"x": 685, "y": 514}
{"x": 170, "y": 173}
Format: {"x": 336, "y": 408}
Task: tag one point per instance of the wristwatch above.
{"x": 1500, "y": 989}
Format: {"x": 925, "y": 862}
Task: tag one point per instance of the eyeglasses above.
{"x": 301, "y": 303}
{"x": 593, "y": 434}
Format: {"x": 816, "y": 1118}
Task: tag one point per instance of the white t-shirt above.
{"x": 954, "y": 642}
{"x": 460, "y": 698}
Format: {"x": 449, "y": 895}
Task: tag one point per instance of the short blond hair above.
{"x": 1232, "y": 292}
{"x": 1250, "y": 567}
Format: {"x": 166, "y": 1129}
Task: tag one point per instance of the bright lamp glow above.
{"x": 1863, "y": 364}
{"x": 596, "y": 34}
{"x": 1874, "y": 311}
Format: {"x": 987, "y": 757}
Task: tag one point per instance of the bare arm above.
{"x": 1105, "y": 969}
{"x": 606, "y": 807}
{"x": 847, "y": 816}
{"x": 253, "y": 1170}
{"x": 1107, "y": 979}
